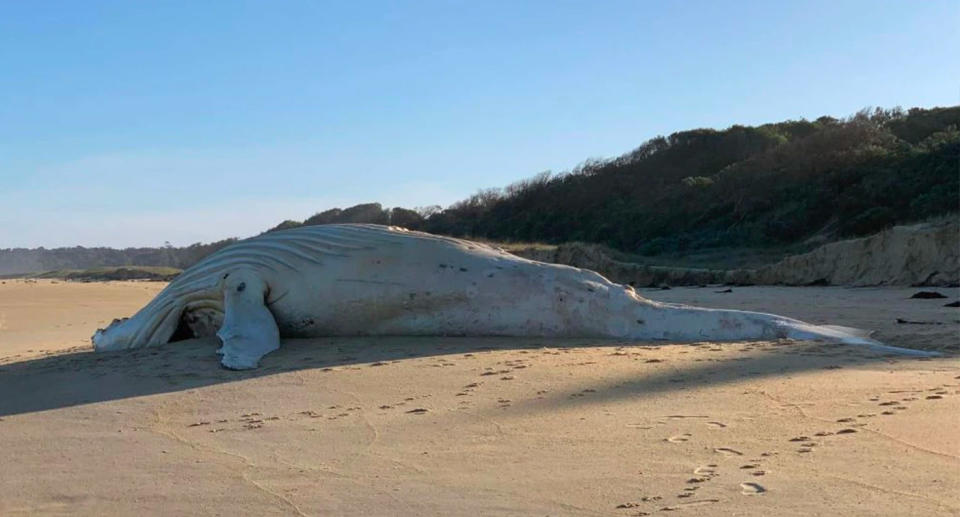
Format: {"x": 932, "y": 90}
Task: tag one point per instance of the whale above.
{"x": 373, "y": 280}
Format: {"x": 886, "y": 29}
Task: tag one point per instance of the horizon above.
{"x": 131, "y": 127}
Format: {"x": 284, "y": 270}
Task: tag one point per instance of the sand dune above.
{"x": 918, "y": 254}
{"x": 466, "y": 426}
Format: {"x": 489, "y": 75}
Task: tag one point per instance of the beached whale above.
{"x": 358, "y": 279}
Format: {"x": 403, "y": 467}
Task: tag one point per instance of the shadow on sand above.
{"x": 85, "y": 377}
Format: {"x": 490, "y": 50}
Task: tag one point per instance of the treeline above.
{"x": 371, "y": 213}
{"x": 20, "y": 260}
{"x": 769, "y": 185}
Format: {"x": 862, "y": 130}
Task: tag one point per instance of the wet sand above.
{"x": 490, "y": 426}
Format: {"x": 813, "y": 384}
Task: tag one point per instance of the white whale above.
{"x": 352, "y": 279}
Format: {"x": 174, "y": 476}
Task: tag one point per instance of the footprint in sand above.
{"x": 716, "y": 425}
{"x": 644, "y": 499}
{"x": 726, "y": 451}
{"x": 689, "y": 504}
{"x": 706, "y": 470}
{"x": 679, "y": 438}
{"x": 752, "y": 489}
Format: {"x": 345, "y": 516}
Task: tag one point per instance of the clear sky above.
{"x": 133, "y": 123}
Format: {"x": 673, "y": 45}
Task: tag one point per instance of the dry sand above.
{"x": 457, "y": 426}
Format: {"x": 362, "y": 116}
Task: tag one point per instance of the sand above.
{"x": 466, "y": 426}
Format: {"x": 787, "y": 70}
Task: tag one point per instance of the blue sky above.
{"x": 134, "y": 123}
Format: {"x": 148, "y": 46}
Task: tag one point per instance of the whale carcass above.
{"x": 354, "y": 279}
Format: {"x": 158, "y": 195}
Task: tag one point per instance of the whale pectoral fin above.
{"x": 249, "y": 330}
{"x": 248, "y": 333}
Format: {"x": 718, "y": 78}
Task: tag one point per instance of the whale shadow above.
{"x": 82, "y": 377}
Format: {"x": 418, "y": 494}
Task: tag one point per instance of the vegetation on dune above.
{"x": 783, "y": 185}
{"x": 770, "y": 185}
{"x": 100, "y": 274}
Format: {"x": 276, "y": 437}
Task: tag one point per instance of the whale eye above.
{"x": 241, "y": 287}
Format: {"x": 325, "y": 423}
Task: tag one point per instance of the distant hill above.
{"x": 795, "y": 184}
{"x": 22, "y": 261}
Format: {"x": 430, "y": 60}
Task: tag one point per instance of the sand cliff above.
{"x": 921, "y": 254}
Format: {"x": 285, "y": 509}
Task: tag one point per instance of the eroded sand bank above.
{"x": 458, "y": 426}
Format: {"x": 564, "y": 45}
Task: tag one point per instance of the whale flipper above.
{"x": 249, "y": 330}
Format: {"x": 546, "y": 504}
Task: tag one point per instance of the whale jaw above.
{"x": 115, "y": 336}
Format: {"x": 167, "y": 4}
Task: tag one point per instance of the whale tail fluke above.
{"x": 851, "y": 336}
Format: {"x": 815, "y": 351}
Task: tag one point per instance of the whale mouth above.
{"x": 183, "y": 331}
{"x": 197, "y": 323}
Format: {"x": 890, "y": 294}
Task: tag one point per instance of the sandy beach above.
{"x": 482, "y": 426}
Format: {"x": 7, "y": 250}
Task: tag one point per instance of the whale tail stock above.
{"x": 852, "y": 336}
{"x": 686, "y": 323}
